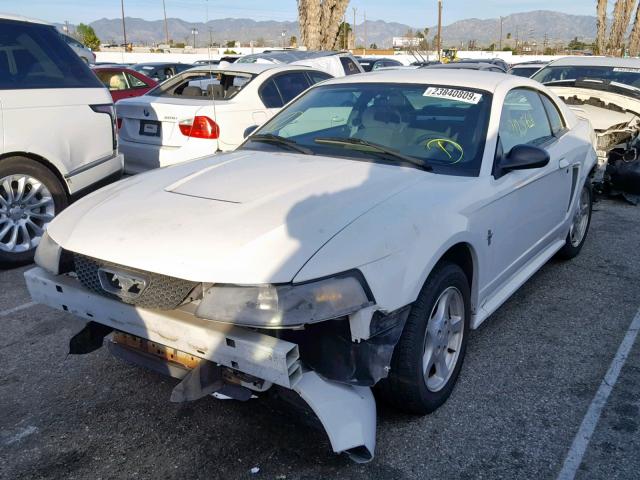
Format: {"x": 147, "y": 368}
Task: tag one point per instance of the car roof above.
{"x": 596, "y": 62}
{"x": 288, "y": 56}
{"x": 482, "y": 80}
{"x": 19, "y": 18}
{"x": 159, "y": 64}
{"x": 466, "y": 66}
{"x": 253, "y": 68}
{"x": 529, "y": 64}
{"x": 117, "y": 68}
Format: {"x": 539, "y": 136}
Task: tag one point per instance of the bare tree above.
{"x": 621, "y": 15}
{"x": 634, "y": 39}
{"x": 601, "y": 41}
{"x": 319, "y": 22}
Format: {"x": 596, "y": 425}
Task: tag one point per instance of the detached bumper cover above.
{"x": 347, "y": 413}
{"x": 262, "y": 356}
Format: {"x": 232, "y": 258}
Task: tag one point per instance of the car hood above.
{"x": 243, "y": 217}
{"x": 603, "y": 109}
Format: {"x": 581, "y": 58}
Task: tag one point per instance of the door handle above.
{"x": 563, "y": 163}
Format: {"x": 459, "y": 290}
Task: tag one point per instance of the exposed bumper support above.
{"x": 238, "y": 348}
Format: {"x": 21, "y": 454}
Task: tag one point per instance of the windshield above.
{"x": 624, "y": 75}
{"x": 440, "y": 128}
{"x": 524, "y": 71}
{"x": 203, "y": 85}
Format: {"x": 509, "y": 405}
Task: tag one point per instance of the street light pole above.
{"x": 124, "y": 29}
{"x": 166, "y": 27}
{"x": 364, "y": 24}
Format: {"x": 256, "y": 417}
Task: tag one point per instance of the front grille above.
{"x": 162, "y": 292}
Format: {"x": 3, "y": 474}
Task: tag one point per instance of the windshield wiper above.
{"x": 271, "y": 138}
{"x": 377, "y": 148}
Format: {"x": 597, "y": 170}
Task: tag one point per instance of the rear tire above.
{"x": 580, "y": 224}
{"x": 30, "y": 196}
{"x": 415, "y": 383}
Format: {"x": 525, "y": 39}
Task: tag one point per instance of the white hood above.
{"x": 604, "y": 109}
{"x": 244, "y": 217}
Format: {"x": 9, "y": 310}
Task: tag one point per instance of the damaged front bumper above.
{"x": 347, "y": 412}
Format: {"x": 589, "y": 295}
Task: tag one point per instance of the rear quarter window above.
{"x": 34, "y": 56}
{"x": 350, "y": 67}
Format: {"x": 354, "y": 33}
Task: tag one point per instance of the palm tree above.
{"x": 319, "y": 22}
{"x": 634, "y": 38}
{"x": 602, "y": 26}
{"x": 621, "y": 15}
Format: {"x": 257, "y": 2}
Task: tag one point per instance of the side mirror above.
{"x": 522, "y": 157}
{"x": 249, "y": 130}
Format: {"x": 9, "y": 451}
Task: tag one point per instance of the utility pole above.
{"x": 364, "y": 52}
{"x": 354, "y": 27}
{"x": 166, "y": 27}
{"x": 124, "y": 28}
{"x": 501, "y": 22}
{"x": 194, "y": 32}
{"x": 439, "y": 30}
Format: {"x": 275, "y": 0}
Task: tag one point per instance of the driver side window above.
{"x": 523, "y": 120}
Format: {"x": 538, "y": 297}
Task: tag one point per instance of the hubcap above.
{"x": 580, "y": 219}
{"x": 26, "y": 207}
{"x": 443, "y": 339}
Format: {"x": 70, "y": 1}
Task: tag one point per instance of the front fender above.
{"x": 395, "y": 246}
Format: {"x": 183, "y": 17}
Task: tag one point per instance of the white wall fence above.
{"x": 185, "y": 56}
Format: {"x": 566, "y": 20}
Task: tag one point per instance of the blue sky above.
{"x": 412, "y": 12}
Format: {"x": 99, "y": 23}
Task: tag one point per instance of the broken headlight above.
{"x": 278, "y": 306}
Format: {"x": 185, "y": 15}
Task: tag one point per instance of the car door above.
{"x": 528, "y": 206}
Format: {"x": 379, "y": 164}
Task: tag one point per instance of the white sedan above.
{"x": 351, "y": 242}
{"x": 205, "y": 110}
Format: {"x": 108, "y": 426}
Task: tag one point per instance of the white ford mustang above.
{"x": 353, "y": 241}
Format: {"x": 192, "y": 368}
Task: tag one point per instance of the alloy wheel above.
{"x": 26, "y": 207}
{"x": 443, "y": 339}
{"x": 580, "y": 219}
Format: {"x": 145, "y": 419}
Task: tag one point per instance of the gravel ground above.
{"x": 530, "y": 373}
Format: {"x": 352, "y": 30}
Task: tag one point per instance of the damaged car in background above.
{"x": 605, "y": 91}
{"x": 350, "y": 243}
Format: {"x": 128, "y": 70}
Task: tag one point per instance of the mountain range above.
{"x": 554, "y": 26}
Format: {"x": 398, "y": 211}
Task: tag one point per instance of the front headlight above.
{"x": 48, "y": 254}
{"x": 278, "y": 306}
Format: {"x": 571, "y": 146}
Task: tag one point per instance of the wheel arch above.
{"x": 465, "y": 256}
{"x": 42, "y": 161}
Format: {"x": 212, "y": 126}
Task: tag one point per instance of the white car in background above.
{"x": 605, "y": 91}
{"x": 81, "y": 50}
{"x": 57, "y": 132}
{"x": 353, "y": 240}
{"x": 205, "y": 110}
{"x": 338, "y": 64}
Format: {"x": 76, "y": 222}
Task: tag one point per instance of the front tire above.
{"x": 428, "y": 358}
{"x": 30, "y": 197}
{"x": 580, "y": 225}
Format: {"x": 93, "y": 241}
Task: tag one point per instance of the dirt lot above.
{"x": 530, "y": 375}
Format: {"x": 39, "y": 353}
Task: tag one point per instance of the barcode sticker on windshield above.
{"x": 626, "y": 70}
{"x": 454, "y": 94}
